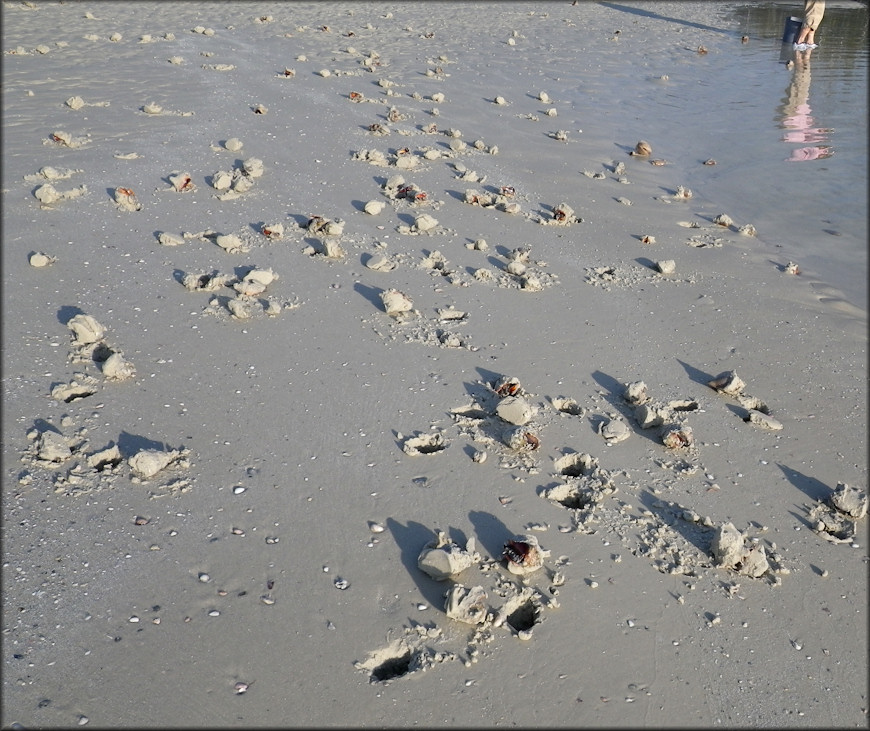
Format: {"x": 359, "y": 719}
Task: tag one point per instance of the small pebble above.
{"x": 214, "y": 613}
{"x": 238, "y": 490}
{"x": 203, "y": 577}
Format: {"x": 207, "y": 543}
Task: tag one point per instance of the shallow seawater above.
{"x": 813, "y": 205}
{"x": 790, "y": 144}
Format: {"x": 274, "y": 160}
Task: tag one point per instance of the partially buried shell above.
{"x": 273, "y": 230}
{"x": 677, "y": 436}
{"x": 396, "y": 302}
{"x": 642, "y": 148}
{"x": 521, "y": 439}
{"x": 466, "y": 605}
{"x": 126, "y": 199}
{"x": 39, "y": 259}
{"x": 86, "y": 329}
{"x": 523, "y": 554}
{"x": 614, "y": 431}
{"x": 182, "y": 182}
{"x": 728, "y": 383}
{"x": 442, "y": 559}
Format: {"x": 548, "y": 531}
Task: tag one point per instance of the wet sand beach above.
{"x": 378, "y": 365}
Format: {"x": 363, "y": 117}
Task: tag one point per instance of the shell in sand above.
{"x": 642, "y": 149}
{"x": 396, "y": 302}
{"x": 443, "y": 559}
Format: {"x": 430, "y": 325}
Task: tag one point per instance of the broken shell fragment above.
{"x": 523, "y": 554}
{"x": 791, "y": 268}
{"x": 373, "y": 208}
{"x": 642, "y": 148}
{"x": 723, "y": 219}
{"x": 668, "y": 266}
{"x": 728, "y": 383}
{"x": 466, "y": 605}
{"x": 442, "y": 559}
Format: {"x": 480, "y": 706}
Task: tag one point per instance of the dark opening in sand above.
{"x": 394, "y": 667}
{"x": 525, "y": 617}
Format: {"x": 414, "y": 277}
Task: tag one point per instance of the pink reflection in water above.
{"x": 797, "y": 119}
